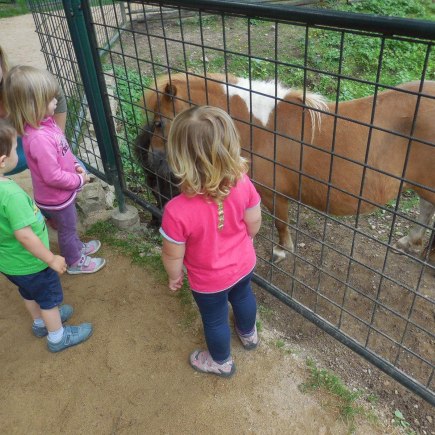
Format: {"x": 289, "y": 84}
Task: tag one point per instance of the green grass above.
{"x": 265, "y": 312}
{"x": 409, "y": 201}
{"x": 402, "y": 61}
{"x": 73, "y": 111}
{"x": 420, "y": 9}
{"x": 342, "y": 398}
{"x": 140, "y": 246}
{"x": 259, "y": 325}
{"x": 129, "y": 87}
{"x": 279, "y": 343}
{"x": 400, "y": 421}
{"x": 9, "y": 9}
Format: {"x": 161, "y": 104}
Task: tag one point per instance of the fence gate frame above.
{"x": 79, "y": 17}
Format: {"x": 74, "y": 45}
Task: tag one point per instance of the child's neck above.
{"x": 3, "y": 177}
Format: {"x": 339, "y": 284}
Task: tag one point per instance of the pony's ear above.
{"x": 170, "y": 90}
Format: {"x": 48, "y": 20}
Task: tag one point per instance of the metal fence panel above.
{"x": 338, "y": 175}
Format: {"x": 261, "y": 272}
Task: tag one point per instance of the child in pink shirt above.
{"x": 209, "y": 228}
{"x": 56, "y": 175}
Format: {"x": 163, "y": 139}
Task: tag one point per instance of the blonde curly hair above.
{"x": 204, "y": 152}
{"x": 4, "y": 66}
{"x": 27, "y": 93}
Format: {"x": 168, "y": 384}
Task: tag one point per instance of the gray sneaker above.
{"x": 86, "y": 265}
{"x": 250, "y": 341}
{"x": 65, "y": 312}
{"x": 91, "y": 247}
{"x": 72, "y": 335}
{"x": 202, "y": 361}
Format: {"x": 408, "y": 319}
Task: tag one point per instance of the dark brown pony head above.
{"x": 169, "y": 99}
{"x": 161, "y": 106}
{"x": 173, "y": 94}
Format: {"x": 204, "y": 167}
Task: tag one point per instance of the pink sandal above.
{"x": 202, "y": 361}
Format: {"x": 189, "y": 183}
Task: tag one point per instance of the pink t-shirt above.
{"x": 215, "y": 260}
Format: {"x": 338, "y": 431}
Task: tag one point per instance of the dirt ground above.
{"x": 132, "y": 376}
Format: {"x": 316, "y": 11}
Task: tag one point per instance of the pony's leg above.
{"x": 279, "y": 253}
{"x": 429, "y": 251}
{"x": 413, "y": 242}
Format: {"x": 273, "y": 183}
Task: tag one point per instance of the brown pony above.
{"x": 341, "y": 159}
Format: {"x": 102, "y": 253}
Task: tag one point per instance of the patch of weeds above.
{"x": 128, "y": 89}
{"x": 373, "y": 399}
{"x": 400, "y": 421}
{"x": 265, "y": 312}
{"x": 13, "y": 8}
{"x": 311, "y": 223}
{"x": 283, "y": 346}
{"x": 141, "y": 246}
{"x": 408, "y": 201}
{"x": 259, "y": 325}
{"x": 344, "y": 399}
{"x": 279, "y": 343}
{"x": 202, "y": 20}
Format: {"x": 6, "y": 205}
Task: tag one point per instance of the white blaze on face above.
{"x": 262, "y": 105}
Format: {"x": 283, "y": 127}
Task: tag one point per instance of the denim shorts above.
{"x": 42, "y": 287}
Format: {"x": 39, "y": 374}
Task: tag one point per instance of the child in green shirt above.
{"x": 25, "y": 257}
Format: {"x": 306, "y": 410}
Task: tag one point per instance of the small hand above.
{"x": 85, "y": 177}
{"x": 58, "y": 264}
{"x": 81, "y": 171}
{"x": 176, "y": 284}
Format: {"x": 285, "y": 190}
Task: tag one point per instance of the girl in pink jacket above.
{"x": 56, "y": 174}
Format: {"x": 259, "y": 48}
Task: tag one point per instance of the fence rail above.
{"x": 338, "y": 239}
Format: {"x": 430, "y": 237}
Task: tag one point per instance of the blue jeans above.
{"x": 42, "y": 287}
{"x": 214, "y": 313}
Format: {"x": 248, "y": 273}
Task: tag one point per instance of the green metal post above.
{"x": 78, "y": 16}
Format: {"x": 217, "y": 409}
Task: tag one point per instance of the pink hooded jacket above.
{"x": 52, "y": 166}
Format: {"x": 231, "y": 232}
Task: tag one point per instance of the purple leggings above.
{"x": 69, "y": 243}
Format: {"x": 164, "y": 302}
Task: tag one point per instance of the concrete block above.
{"x": 92, "y": 198}
{"x": 94, "y": 217}
{"x": 126, "y": 221}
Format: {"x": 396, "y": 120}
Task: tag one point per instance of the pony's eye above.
{"x": 157, "y": 124}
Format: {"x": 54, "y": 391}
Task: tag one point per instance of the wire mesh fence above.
{"x": 335, "y": 115}
{"x": 58, "y": 50}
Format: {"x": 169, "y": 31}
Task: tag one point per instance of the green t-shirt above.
{"x": 17, "y": 210}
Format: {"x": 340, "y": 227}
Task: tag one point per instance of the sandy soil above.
{"x": 132, "y": 376}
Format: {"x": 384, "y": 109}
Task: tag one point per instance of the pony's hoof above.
{"x": 430, "y": 256}
{"x": 397, "y": 249}
{"x": 278, "y": 255}
{"x": 405, "y": 245}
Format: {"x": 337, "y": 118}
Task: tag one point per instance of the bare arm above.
{"x": 172, "y": 257}
{"x": 252, "y": 220}
{"x": 34, "y": 245}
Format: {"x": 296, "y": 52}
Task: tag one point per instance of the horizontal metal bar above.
{"x": 342, "y": 20}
